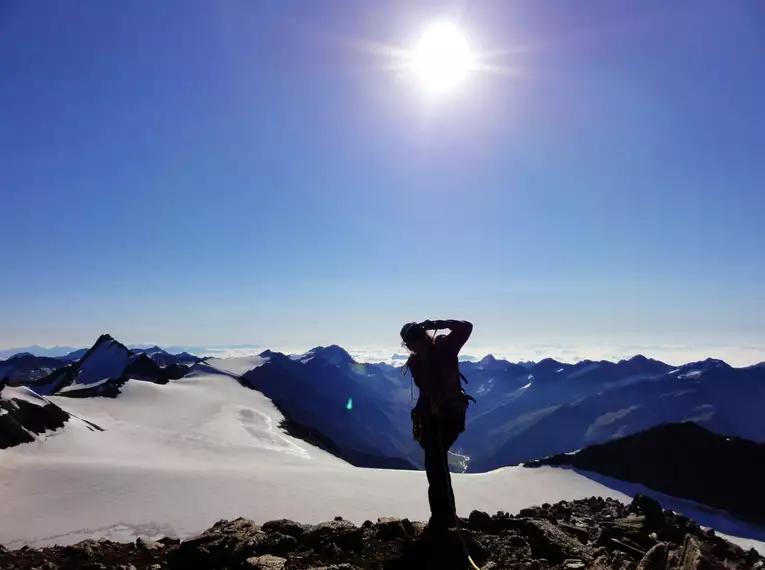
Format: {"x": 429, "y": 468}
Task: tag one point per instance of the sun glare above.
{"x": 442, "y": 58}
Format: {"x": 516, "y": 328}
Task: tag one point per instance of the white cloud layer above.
{"x": 744, "y": 355}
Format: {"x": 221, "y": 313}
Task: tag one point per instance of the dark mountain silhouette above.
{"x": 186, "y": 358}
{"x": 548, "y": 366}
{"x": 36, "y": 350}
{"x": 686, "y": 461}
{"x": 361, "y": 408}
{"x": 25, "y": 367}
{"x": 75, "y": 354}
{"x": 560, "y": 412}
{"x": 333, "y": 355}
{"x": 165, "y": 358}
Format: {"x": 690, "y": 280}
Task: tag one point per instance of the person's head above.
{"x": 415, "y": 338}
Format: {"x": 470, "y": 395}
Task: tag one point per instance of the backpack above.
{"x": 440, "y": 364}
{"x": 446, "y": 368}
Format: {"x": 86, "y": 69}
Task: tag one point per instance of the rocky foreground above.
{"x": 589, "y": 534}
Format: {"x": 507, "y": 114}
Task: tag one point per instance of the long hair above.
{"x": 431, "y": 336}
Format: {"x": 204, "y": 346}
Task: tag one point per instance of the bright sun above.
{"x": 442, "y": 58}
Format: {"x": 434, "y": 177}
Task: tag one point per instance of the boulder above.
{"x": 391, "y": 528}
{"x": 692, "y": 557}
{"x": 551, "y": 543}
{"x": 261, "y": 543}
{"x": 222, "y": 545}
{"x": 480, "y": 521}
{"x": 148, "y": 544}
{"x": 265, "y": 562}
{"x": 286, "y": 526}
{"x": 345, "y": 535}
{"x": 650, "y": 509}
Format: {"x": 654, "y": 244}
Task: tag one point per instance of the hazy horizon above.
{"x": 201, "y": 173}
{"x": 735, "y": 355}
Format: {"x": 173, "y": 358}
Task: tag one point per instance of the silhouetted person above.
{"x": 439, "y": 416}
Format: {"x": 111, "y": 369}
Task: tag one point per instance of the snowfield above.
{"x": 11, "y": 393}
{"x": 176, "y": 458}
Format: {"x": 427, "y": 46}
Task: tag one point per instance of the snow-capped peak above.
{"x": 697, "y": 368}
{"x": 332, "y": 354}
{"x": 107, "y": 359}
{"x": 490, "y": 362}
{"x": 707, "y": 364}
{"x": 711, "y": 363}
{"x": 151, "y": 351}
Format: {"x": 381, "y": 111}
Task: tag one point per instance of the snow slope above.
{"x": 175, "y": 458}
{"x": 237, "y": 366}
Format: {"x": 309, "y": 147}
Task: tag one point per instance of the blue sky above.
{"x": 193, "y": 172}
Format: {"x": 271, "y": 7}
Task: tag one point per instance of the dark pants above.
{"x": 438, "y": 435}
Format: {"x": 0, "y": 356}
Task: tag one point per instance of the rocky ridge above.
{"x": 682, "y": 460}
{"x": 595, "y": 533}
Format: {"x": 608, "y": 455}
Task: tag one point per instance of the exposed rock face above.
{"x": 25, "y": 415}
{"x": 683, "y": 460}
{"x": 590, "y": 534}
{"x": 375, "y": 432}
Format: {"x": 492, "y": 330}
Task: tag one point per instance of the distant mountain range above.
{"x": 24, "y": 367}
{"x": 37, "y": 350}
{"x": 72, "y": 353}
{"x": 97, "y": 371}
{"x": 554, "y": 407}
{"x": 524, "y": 411}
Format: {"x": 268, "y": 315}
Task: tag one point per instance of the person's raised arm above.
{"x": 459, "y": 331}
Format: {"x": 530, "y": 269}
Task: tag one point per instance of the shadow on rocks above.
{"x": 444, "y": 551}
